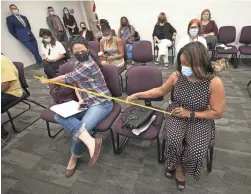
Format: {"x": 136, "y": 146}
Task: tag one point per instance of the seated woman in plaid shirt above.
{"x": 86, "y": 75}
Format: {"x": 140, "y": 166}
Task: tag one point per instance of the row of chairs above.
{"x": 137, "y": 55}
{"x": 227, "y": 35}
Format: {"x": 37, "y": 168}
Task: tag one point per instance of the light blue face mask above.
{"x": 66, "y": 12}
{"x": 186, "y": 71}
{"x": 52, "y": 13}
{"x": 47, "y": 39}
{"x": 193, "y": 32}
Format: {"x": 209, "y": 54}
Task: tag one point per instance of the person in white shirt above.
{"x": 194, "y": 32}
{"x": 52, "y": 52}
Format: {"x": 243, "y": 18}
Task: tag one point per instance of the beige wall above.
{"x": 143, "y": 14}
{"x": 36, "y": 12}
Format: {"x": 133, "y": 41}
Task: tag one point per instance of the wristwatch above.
{"x": 192, "y": 114}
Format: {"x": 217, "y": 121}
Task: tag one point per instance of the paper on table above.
{"x": 144, "y": 127}
{"x": 66, "y": 109}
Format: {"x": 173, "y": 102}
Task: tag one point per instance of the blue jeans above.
{"x": 85, "y": 120}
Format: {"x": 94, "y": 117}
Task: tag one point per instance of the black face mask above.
{"x": 82, "y": 57}
{"x": 162, "y": 20}
{"x": 83, "y": 28}
{"x": 123, "y": 24}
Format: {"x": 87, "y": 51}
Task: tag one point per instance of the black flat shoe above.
{"x": 180, "y": 184}
{"x": 169, "y": 173}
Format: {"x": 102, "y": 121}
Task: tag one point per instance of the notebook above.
{"x": 67, "y": 109}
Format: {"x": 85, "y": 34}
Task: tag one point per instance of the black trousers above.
{"x": 7, "y": 99}
{"x": 62, "y": 36}
{"x": 50, "y": 68}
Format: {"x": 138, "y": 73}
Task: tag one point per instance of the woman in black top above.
{"x": 85, "y": 33}
{"x": 70, "y": 22}
{"x": 163, "y": 34}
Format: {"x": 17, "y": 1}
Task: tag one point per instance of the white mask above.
{"x": 106, "y": 38}
{"x": 15, "y": 12}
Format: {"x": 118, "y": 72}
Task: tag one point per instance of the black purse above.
{"x": 136, "y": 117}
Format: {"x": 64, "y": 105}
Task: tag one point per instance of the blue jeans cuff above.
{"x": 82, "y": 129}
{"x": 77, "y": 155}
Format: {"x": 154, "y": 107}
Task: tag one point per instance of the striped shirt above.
{"x": 87, "y": 75}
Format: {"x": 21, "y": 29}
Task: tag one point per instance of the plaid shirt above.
{"x": 88, "y": 76}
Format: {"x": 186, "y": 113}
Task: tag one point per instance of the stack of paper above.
{"x": 224, "y": 46}
{"x": 144, "y": 127}
{"x": 67, "y": 109}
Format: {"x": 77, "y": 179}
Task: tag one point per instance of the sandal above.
{"x": 169, "y": 173}
{"x": 180, "y": 184}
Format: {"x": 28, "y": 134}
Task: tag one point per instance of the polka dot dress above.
{"x": 187, "y": 139}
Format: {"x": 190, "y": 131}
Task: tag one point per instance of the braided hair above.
{"x": 104, "y": 25}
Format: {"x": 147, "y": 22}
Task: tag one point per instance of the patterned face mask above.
{"x": 82, "y": 57}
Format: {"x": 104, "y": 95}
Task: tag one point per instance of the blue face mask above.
{"x": 193, "y": 32}
{"x": 52, "y": 13}
{"x": 66, "y": 12}
{"x": 186, "y": 71}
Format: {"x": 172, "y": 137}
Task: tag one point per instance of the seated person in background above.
{"x": 210, "y": 29}
{"x": 163, "y": 34}
{"x": 52, "y": 53}
{"x": 11, "y": 88}
{"x": 126, "y": 33}
{"x": 70, "y": 22}
{"x": 85, "y": 33}
{"x": 112, "y": 45}
{"x": 194, "y": 32}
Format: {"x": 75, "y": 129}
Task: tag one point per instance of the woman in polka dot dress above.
{"x": 198, "y": 99}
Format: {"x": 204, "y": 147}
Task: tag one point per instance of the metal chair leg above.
{"x": 49, "y": 130}
{"x": 210, "y": 153}
{"x": 29, "y": 107}
{"x": 113, "y": 142}
{"x": 249, "y": 89}
{"x": 249, "y": 83}
{"x": 163, "y": 151}
{"x": 12, "y": 118}
{"x": 160, "y": 151}
{"x": 121, "y": 81}
{"x": 234, "y": 62}
{"x": 34, "y": 102}
{"x": 120, "y": 146}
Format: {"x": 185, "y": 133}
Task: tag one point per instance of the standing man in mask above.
{"x": 56, "y": 26}
{"x": 19, "y": 27}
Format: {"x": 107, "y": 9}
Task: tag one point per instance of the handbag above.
{"x": 220, "y": 65}
{"x": 136, "y": 117}
{"x": 133, "y": 39}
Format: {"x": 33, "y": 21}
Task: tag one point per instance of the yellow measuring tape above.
{"x": 101, "y": 95}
